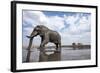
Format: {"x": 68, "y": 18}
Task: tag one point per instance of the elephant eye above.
{"x": 38, "y": 26}
{"x": 36, "y": 29}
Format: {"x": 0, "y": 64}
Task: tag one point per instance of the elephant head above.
{"x": 38, "y": 30}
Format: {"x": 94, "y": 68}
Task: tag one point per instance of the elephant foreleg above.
{"x": 44, "y": 41}
{"x": 42, "y": 45}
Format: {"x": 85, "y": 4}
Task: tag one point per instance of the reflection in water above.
{"x": 67, "y": 53}
{"x": 55, "y": 56}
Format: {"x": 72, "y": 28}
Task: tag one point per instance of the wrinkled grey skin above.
{"x": 47, "y": 36}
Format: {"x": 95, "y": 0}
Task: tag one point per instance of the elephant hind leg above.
{"x": 58, "y": 47}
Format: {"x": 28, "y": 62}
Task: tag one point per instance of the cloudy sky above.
{"x": 72, "y": 26}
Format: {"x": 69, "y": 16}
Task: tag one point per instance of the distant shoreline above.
{"x": 75, "y": 46}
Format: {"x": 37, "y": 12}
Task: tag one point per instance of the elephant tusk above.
{"x": 29, "y": 36}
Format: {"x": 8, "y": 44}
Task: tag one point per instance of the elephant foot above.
{"x": 40, "y": 48}
{"x": 58, "y": 51}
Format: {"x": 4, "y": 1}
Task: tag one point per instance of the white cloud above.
{"x": 37, "y": 18}
{"x": 75, "y": 32}
{"x": 28, "y": 30}
{"x": 55, "y": 22}
{"x": 77, "y": 24}
{"x": 84, "y": 24}
{"x": 78, "y": 30}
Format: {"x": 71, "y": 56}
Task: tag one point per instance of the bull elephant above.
{"x": 47, "y": 35}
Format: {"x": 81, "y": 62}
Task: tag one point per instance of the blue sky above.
{"x": 72, "y": 26}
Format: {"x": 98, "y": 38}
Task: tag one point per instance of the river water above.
{"x": 67, "y": 53}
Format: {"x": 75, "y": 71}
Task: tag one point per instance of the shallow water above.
{"x": 66, "y": 54}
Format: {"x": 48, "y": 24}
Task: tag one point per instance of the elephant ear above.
{"x": 42, "y": 28}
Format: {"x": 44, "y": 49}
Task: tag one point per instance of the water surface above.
{"x": 67, "y": 53}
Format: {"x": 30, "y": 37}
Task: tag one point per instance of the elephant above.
{"x": 47, "y": 35}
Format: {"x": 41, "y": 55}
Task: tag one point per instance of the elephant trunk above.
{"x": 33, "y": 34}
